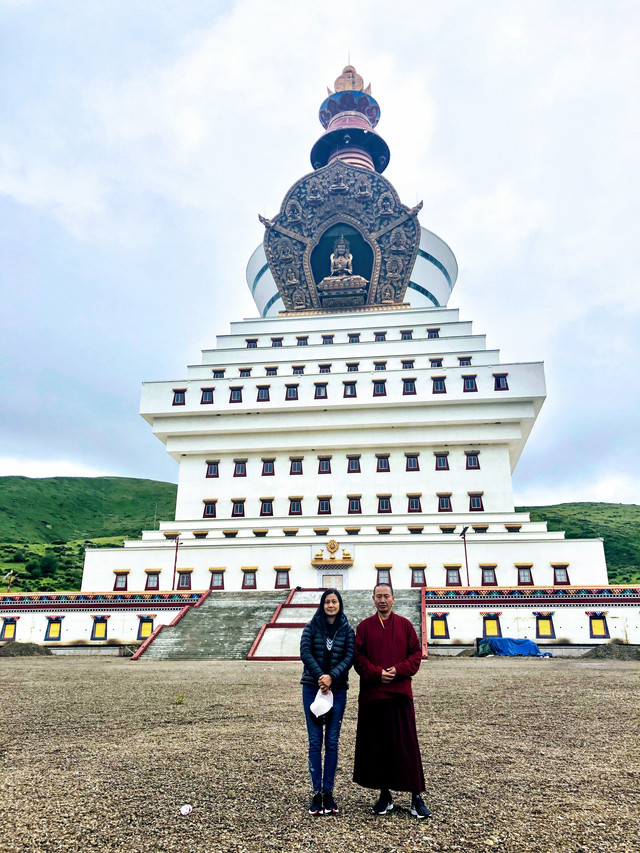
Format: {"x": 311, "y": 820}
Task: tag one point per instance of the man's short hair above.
{"x": 382, "y": 584}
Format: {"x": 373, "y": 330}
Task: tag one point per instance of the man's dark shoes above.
{"x": 418, "y": 808}
{"x": 384, "y": 804}
{"x": 316, "y": 808}
{"x": 330, "y": 805}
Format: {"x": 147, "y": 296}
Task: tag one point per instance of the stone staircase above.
{"x": 260, "y": 625}
{"x": 223, "y": 628}
{"x": 279, "y": 639}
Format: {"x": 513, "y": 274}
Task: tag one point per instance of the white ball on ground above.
{"x": 186, "y": 809}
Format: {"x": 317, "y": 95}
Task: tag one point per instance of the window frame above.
{"x": 324, "y": 464}
{"x": 408, "y": 466}
{"x": 409, "y": 388}
{"x": 476, "y": 497}
{"x": 327, "y": 340}
{"x": 348, "y": 387}
{"x": 379, "y": 387}
{"x": 235, "y": 504}
{"x": 250, "y": 578}
{"x": 433, "y": 333}
{"x": 491, "y": 572}
{"x": 266, "y": 507}
{"x": 184, "y": 580}
{"x": 213, "y": 469}
{"x": 443, "y": 455}
{"x": 560, "y": 567}
{"x": 421, "y": 581}
{"x": 353, "y": 338}
{"x": 272, "y": 472}
{"x": 263, "y": 394}
{"x": 296, "y": 460}
{"x": 414, "y": 498}
{"x": 378, "y": 337}
{"x": 321, "y": 391}
{"x": 298, "y": 501}
{"x": 148, "y": 586}
{"x": 522, "y": 568}
{"x": 353, "y": 366}
{"x": 324, "y": 501}
{"x": 282, "y": 583}
{"x": 382, "y": 470}
{"x": 379, "y": 365}
{"x": 406, "y": 334}
{"x": 488, "y": 619}
{"x": 143, "y": 622}
{"x": 216, "y": 571}
{"x": 235, "y": 393}
{"x": 444, "y": 502}
{"x": 383, "y": 576}
{"x": 252, "y": 343}
{"x": 437, "y": 620}
{"x": 381, "y": 510}
{"x": 596, "y": 618}
{"x": 302, "y": 340}
{"x": 356, "y": 469}
{"x": 354, "y": 504}
{"x": 271, "y": 370}
{"x": 452, "y": 576}
{"x": 541, "y": 618}
{"x": 244, "y": 373}
{"x": 239, "y": 467}
{"x": 50, "y": 633}
{"x": 206, "y": 392}
{"x": 438, "y": 390}
{"x": 291, "y": 392}
{"x": 207, "y": 504}
{"x": 500, "y": 382}
{"x": 469, "y": 384}
{"x": 276, "y": 342}
{"x": 179, "y": 397}
{"x": 472, "y": 454}
{"x": 324, "y": 368}
{"x": 119, "y": 575}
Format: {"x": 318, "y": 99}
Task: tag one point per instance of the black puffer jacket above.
{"x": 312, "y": 650}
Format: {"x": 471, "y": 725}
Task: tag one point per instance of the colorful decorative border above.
{"x": 94, "y": 600}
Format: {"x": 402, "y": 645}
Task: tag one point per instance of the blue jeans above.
{"x": 331, "y": 731}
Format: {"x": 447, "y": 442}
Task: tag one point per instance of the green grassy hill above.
{"x": 617, "y": 524}
{"x": 46, "y": 524}
{"x": 59, "y": 509}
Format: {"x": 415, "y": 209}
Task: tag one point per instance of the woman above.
{"x": 326, "y": 649}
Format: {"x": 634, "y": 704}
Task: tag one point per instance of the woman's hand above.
{"x": 324, "y": 683}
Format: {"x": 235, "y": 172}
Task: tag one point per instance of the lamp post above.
{"x": 175, "y": 562}
{"x": 464, "y": 541}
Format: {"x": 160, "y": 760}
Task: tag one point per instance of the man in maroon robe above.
{"x": 387, "y": 757}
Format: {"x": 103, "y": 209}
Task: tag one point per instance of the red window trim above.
{"x": 324, "y": 511}
{"x": 296, "y": 473}
{"x": 442, "y": 390}
{"x": 291, "y": 502}
{"x": 286, "y": 584}
{"x": 254, "y": 574}
{"x": 289, "y": 388}
{"x": 413, "y": 498}
{"x": 204, "y": 511}
{"x": 496, "y": 382}
{"x": 384, "y": 498}
{"x": 415, "y": 583}
{"x": 474, "y": 384}
{"x": 204, "y": 402}
{"x": 405, "y": 392}
{"x": 442, "y": 508}
{"x": 155, "y": 575}
{"x": 271, "y": 462}
{"x": 444, "y": 456}
{"x": 556, "y": 582}
{"x": 236, "y": 473}
{"x": 180, "y": 585}
{"x": 176, "y": 400}
{"x": 264, "y": 512}
{"x": 124, "y": 575}
{"x": 321, "y": 391}
{"x": 383, "y": 470}
{"x": 217, "y": 586}
{"x": 523, "y": 569}
{"x": 322, "y": 459}
{"x": 476, "y": 496}
{"x": 457, "y": 582}
{"x": 491, "y": 569}
{"x": 260, "y": 398}
{"x": 357, "y": 510}
{"x": 349, "y": 385}
{"x": 217, "y": 470}
{"x": 233, "y": 390}
{"x": 415, "y": 456}
{"x": 356, "y": 469}
{"x": 234, "y": 513}
{"x": 474, "y": 455}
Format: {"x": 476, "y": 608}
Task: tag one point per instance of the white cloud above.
{"x": 614, "y": 488}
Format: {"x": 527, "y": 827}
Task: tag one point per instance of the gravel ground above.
{"x": 520, "y": 755}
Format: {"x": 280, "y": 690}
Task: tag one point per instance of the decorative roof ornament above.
{"x": 342, "y": 238}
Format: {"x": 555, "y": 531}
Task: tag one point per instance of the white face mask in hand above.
{"x": 322, "y": 704}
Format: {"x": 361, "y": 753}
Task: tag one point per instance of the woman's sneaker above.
{"x": 316, "y": 807}
{"x": 330, "y": 805}
{"x": 418, "y": 808}
{"x": 384, "y": 804}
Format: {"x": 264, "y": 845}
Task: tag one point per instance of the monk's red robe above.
{"x": 387, "y": 753}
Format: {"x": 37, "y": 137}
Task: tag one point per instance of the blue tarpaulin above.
{"x": 509, "y": 646}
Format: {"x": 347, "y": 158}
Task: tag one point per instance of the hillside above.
{"x": 46, "y": 524}
{"x": 60, "y": 509}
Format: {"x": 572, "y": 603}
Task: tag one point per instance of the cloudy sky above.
{"x": 140, "y": 138}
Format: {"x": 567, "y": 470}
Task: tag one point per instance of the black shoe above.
{"x": 384, "y": 804}
{"x": 330, "y": 805}
{"x": 316, "y": 805}
{"x": 418, "y": 808}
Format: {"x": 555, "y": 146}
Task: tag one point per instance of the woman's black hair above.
{"x": 320, "y": 615}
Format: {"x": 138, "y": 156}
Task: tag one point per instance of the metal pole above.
{"x": 466, "y": 560}
{"x": 175, "y": 563}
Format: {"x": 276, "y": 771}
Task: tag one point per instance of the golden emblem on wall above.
{"x": 332, "y": 547}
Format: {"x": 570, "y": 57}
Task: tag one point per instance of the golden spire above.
{"x": 350, "y": 81}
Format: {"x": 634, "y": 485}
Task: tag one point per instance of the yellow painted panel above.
{"x": 146, "y": 629}
{"x": 439, "y": 627}
{"x": 54, "y": 630}
{"x": 598, "y": 628}
{"x": 544, "y": 628}
{"x": 9, "y": 630}
{"x": 100, "y": 630}
{"x": 491, "y": 628}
